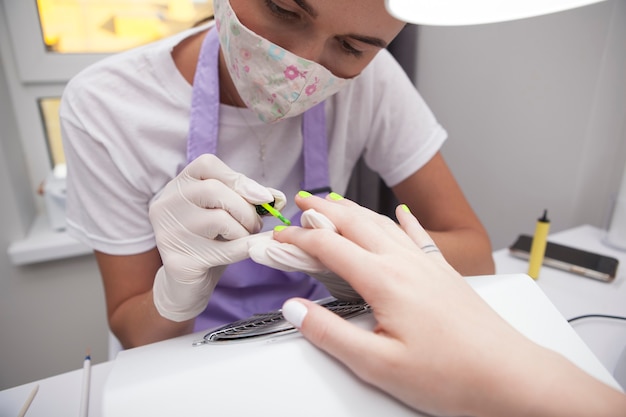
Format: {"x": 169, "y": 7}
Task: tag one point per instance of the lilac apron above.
{"x": 247, "y": 288}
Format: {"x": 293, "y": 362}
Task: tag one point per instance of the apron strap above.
{"x": 316, "y": 174}
{"x": 205, "y": 100}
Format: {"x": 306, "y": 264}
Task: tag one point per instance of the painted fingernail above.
{"x": 294, "y": 312}
{"x": 405, "y": 208}
{"x": 280, "y": 228}
{"x": 304, "y": 194}
{"x": 335, "y": 196}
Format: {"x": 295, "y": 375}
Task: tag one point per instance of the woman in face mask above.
{"x": 172, "y": 147}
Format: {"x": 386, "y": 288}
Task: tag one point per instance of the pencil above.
{"x": 28, "y": 401}
{"x": 84, "y": 398}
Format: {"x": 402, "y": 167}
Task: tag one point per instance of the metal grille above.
{"x": 273, "y": 323}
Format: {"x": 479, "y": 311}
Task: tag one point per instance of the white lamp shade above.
{"x": 472, "y": 12}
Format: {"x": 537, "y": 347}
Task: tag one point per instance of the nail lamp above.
{"x": 474, "y": 12}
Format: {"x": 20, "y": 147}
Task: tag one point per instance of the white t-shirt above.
{"x": 125, "y": 121}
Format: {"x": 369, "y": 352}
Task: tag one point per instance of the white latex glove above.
{"x": 288, "y": 257}
{"x": 203, "y": 221}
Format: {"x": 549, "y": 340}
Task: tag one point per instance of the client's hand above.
{"x": 288, "y": 257}
{"x": 203, "y": 221}
{"x": 437, "y": 345}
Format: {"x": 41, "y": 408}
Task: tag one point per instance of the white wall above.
{"x": 50, "y": 313}
{"x": 535, "y": 113}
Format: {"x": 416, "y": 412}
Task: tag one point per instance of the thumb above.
{"x": 280, "y": 201}
{"x": 331, "y": 333}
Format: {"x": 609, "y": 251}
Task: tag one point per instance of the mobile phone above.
{"x": 588, "y": 264}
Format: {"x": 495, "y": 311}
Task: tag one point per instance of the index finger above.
{"x": 209, "y": 166}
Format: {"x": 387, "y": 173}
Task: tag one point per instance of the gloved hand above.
{"x": 288, "y": 257}
{"x": 203, "y": 221}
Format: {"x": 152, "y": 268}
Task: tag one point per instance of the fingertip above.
{"x": 403, "y": 210}
{"x": 305, "y": 199}
{"x": 404, "y": 215}
{"x": 334, "y": 196}
{"x": 295, "y": 312}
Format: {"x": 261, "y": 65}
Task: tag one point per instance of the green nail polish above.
{"x": 279, "y": 228}
{"x": 335, "y": 196}
{"x": 405, "y": 208}
{"x": 304, "y": 194}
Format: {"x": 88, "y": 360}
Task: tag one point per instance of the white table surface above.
{"x": 575, "y": 295}
{"x": 58, "y": 395}
{"x": 280, "y": 376}
{"x": 572, "y": 296}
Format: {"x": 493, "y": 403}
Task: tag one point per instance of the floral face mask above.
{"x": 271, "y": 81}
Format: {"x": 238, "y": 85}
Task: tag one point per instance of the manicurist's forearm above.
{"x": 467, "y": 250}
{"x": 137, "y": 322}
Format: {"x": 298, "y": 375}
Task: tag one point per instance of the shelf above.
{"x": 45, "y": 244}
